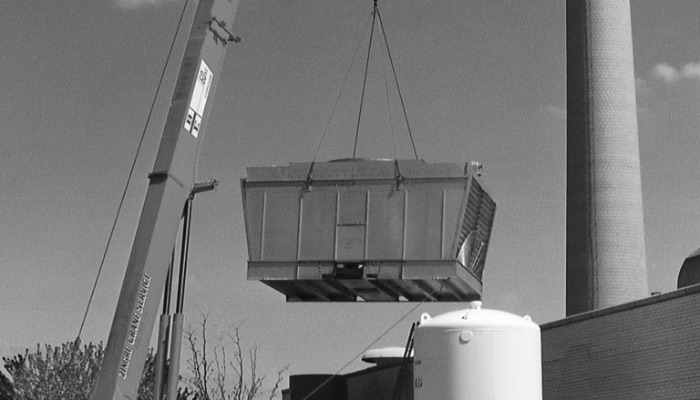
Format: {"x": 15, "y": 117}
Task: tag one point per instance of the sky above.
{"x": 481, "y": 80}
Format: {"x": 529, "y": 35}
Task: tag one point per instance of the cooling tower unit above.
{"x": 359, "y": 230}
{"x": 605, "y": 253}
{"x": 477, "y": 354}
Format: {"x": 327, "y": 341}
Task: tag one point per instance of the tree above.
{"x": 66, "y": 372}
{"x": 63, "y": 372}
{"x": 69, "y": 371}
{"x": 7, "y": 390}
{"x": 217, "y": 377}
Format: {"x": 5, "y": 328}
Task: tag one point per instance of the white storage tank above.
{"x": 477, "y": 354}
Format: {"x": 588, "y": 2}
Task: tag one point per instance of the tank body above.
{"x": 477, "y": 354}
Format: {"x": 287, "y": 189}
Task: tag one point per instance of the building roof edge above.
{"x": 687, "y": 291}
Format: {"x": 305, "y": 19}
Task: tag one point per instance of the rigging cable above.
{"x": 364, "y": 82}
{"x": 131, "y": 171}
{"x": 396, "y": 79}
{"x": 376, "y": 14}
{"x": 388, "y": 100}
{"x": 330, "y": 117}
{"x": 437, "y": 290}
{"x": 335, "y": 105}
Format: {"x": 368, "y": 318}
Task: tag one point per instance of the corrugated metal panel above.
{"x": 452, "y": 207}
{"x": 351, "y": 227}
{"x": 385, "y": 224}
{"x": 367, "y": 230}
{"x": 254, "y": 204}
{"x": 280, "y": 224}
{"x": 318, "y": 222}
{"x": 423, "y": 223}
{"x": 350, "y": 245}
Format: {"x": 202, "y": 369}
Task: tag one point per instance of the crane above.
{"x": 171, "y": 184}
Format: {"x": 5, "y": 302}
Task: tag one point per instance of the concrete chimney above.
{"x": 605, "y": 250}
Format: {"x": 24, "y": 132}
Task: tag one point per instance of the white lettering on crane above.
{"x": 198, "y": 101}
{"x": 134, "y": 325}
{"x": 124, "y": 362}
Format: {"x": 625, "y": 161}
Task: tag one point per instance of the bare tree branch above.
{"x": 210, "y": 365}
{"x": 280, "y": 377}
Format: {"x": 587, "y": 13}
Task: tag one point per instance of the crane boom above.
{"x": 170, "y": 185}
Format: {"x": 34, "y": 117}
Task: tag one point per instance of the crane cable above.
{"x": 388, "y": 100}
{"x": 375, "y": 11}
{"x": 396, "y": 80}
{"x": 377, "y": 15}
{"x": 332, "y": 113}
{"x": 133, "y": 167}
{"x": 325, "y": 382}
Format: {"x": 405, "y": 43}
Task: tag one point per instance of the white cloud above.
{"x": 128, "y": 4}
{"x": 666, "y": 73}
{"x": 669, "y": 74}
{"x": 691, "y": 71}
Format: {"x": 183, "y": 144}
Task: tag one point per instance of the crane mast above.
{"x": 170, "y": 185}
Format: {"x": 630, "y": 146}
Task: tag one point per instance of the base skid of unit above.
{"x": 368, "y": 281}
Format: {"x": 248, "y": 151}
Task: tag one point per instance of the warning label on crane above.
{"x": 198, "y": 101}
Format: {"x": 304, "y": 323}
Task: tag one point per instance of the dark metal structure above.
{"x": 689, "y": 274}
{"x": 368, "y": 230}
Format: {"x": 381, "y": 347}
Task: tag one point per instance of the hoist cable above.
{"x": 388, "y": 100}
{"x": 133, "y": 167}
{"x": 396, "y": 79}
{"x": 337, "y": 98}
{"x": 364, "y": 82}
{"x": 325, "y": 382}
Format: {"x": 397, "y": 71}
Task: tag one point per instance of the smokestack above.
{"x": 605, "y": 251}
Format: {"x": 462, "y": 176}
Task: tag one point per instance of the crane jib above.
{"x": 171, "y": 183}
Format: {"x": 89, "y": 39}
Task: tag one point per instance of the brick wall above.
{"x": 648, "y": 349}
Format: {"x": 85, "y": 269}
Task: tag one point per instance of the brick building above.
{"x": 646, "y": 349}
